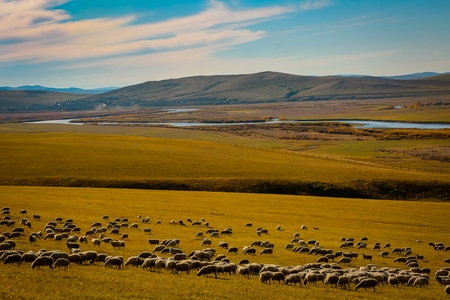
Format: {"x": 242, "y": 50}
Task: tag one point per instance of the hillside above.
{"x": 266, "y": 87}
{"x": 244, "y": 89}
{"x": 12, "y": 100}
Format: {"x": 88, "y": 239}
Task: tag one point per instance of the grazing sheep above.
{"x": 75, "y": 258}
{"x": 310, "y": 278}
{"x": 134, "y": 261}
{"x": 289, "y": 246}
{"x": 36, "y": 217}
{"x": 206, "y": 242}
{"x": 345, "y": 260}
{"x": 13, "y": 258}
{"x": 384, "y": 254}
{"x": 243, "y": 262}
{"x": 447, "y": 289}
{"x": 96, "y": 242}
{"x": 265, "y": 276}
{"x": 206, "y": 270}
{"x": 232, "y": 250}
{"x": 266, "y": 251}
{"x": 61, "y": 262}
{"x": 421, "y": 281}
{"x": 112, "y": 261}
{"x": 153, "y": 241}
{"x": 303, "y": 227}
{"x": 29, "y": 257}
{"x": 182, "y": 267}
{"x": 278, "y": 276}
{"x": 344, "y": 282}
{"x": 293, "y": 278}
{"x": 393, "y": 280}
{"x": 42, "y": 261}
{"x": 367, "y": 283}
{"x": 243, "y": 271}
{"x": 331, "y": 279}
{"x": 223, "y": 244}
{"x": 249, "y": 250}
{"x": 367, "y": 257}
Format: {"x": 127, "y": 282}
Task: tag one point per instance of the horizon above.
{"x": 89, "y": 45}
{"x": 200, "y": 75}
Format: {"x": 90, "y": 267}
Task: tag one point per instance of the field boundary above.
{"x": 339, "y": 159}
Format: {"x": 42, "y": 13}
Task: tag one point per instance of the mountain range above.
{"x": 261, "y": 87}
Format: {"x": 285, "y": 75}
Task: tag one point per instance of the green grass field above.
{"x": 397, "y": 222}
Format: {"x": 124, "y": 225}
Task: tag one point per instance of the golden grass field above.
{"x": 66, "y": 156}
{"x": 398, "y": 222}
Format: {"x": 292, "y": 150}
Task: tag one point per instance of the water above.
{"x": 357, "y": 124}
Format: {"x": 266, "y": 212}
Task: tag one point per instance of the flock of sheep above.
{"x": 330, "y": 267}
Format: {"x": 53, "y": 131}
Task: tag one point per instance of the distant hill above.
{"x": 264, "y": 87}
{"x": 414, "y": 76}
{"x": 254, "y": 88}
{"x": 71, "y": 90}
{"x": 36, "y": 100}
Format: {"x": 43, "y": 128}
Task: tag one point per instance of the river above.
{"x": 357, "y": 123}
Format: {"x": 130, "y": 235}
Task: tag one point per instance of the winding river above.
{"x": 356, "y": 123}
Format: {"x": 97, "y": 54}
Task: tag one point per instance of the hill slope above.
{"x": 250, "y": 88}
{"x": 265, "y": 87}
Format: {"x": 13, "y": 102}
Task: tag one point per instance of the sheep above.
{"x": 36, "y": 217}
{"x": 266, "y": 251}
{"x": 345, "y": 260}
{"x": 243, "y": 271}
{"x": 310, "y": 278}
{"x": 278, "y": 276}
{"x": 367, "y": 283}
{"x": 447, "y": 289}
{"x": 343, "y": 282}
{"x": 134, "y": 261}
{"x": 206, "y": 242}
{"x": 58, "y": 254}
{"x": 421, "y": 281}
{"x": 13, "y": 258}
{"x": 303, "y": 227}
{"x": 265, "y": 276}
{"x": 331, "y": 279}
{"x": 29, "y": 257}
{"x": 112, "y": 261}
{"x": 182, "y": 267}
{"x": 61, "y": 262}
{"x": 42, "y": 261}
{"x": 248, "y": 225}
{"x": 232, "y": 250}
{"x": 367, "y": 256}
{"x": 384, "y": 254}
{"x": 206, "y": 270}
{"x": 249, "y": 250}
{"x": 393, "y": 280}
{"x": 223, "y": 244}
{"x": 447, "y": 260}
{"x": 199, "y": 234}
{"x": 293, "y": 278}
{"x": 33, "y": 238}
{"x": 289, "y": 246}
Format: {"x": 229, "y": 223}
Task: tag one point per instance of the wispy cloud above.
{"x": 33, "y": 31}
{"x": 314, "y": 4}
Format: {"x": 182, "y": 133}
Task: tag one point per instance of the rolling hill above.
{"x": 251, "y": 88}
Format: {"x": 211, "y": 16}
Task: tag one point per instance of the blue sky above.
{"x": 99, "y": 43}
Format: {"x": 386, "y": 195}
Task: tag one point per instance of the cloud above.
{"x": 33, "y": 31}
{"x": 314, "y": 4}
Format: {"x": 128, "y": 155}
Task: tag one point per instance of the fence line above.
{"x": 339, "y": 159}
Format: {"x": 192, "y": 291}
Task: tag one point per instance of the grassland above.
{"x": 397, "y": 222}
{"x": 98, "y": 156}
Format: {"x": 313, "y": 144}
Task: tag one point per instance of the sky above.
{"x": 104, "y": 43}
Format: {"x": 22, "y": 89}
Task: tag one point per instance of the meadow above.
{"x": 81, "y": 172}
{"x": 403, "y": 224}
